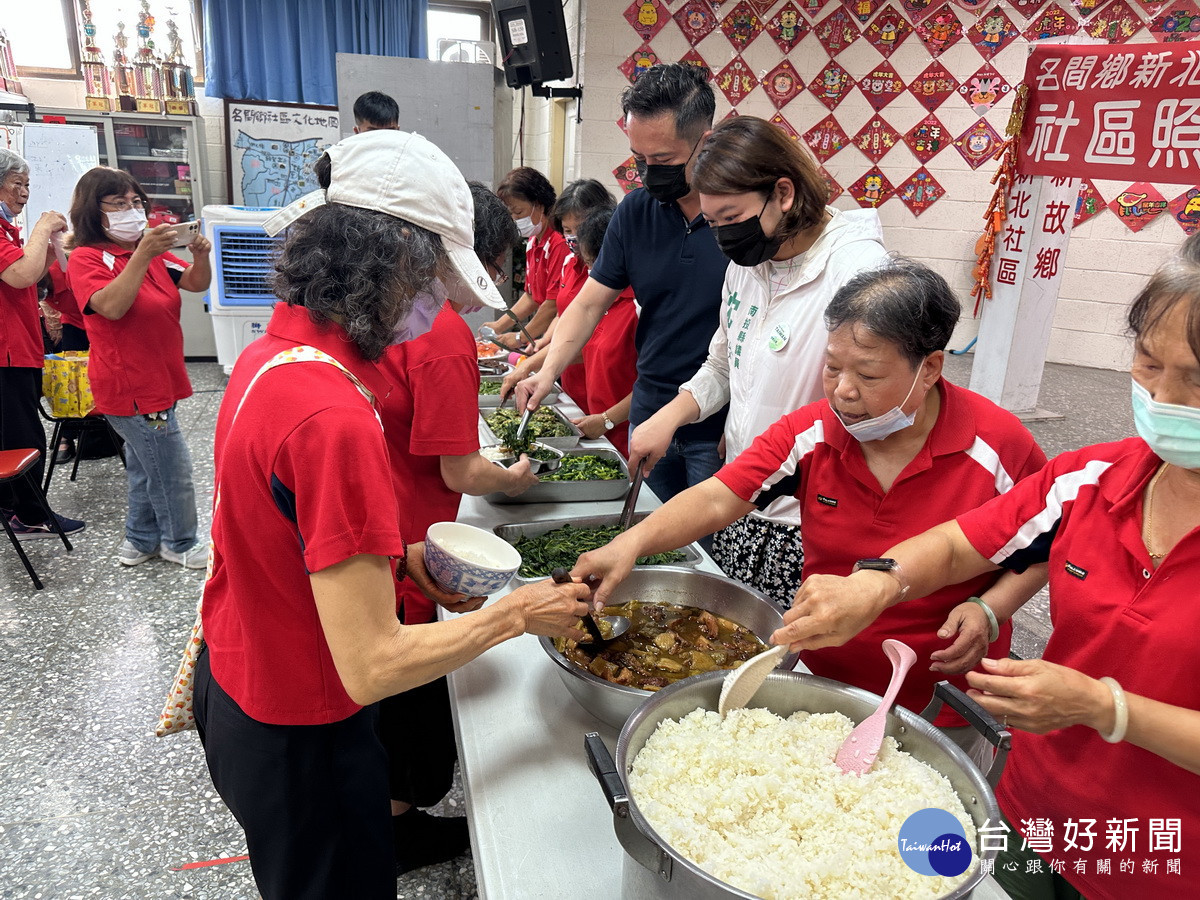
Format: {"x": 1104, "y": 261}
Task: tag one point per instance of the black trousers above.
{"x": 418, "y": 732}
{"x": 312, "y": 799}
{"x": 20, "y": 429}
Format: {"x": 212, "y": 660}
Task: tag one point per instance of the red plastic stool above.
{"x": 16, "y": 464}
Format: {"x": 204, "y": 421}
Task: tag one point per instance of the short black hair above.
{"x": 495, "y": 231}
{"x": 903, "y": 302}
{"x": 581, "y": 197}
{"x": 376, "y": 109}
{"x": 675, "y": 88}
{"x": 591, "y": 232}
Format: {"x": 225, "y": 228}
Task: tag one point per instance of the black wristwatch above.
{"x": 884, "y": 564}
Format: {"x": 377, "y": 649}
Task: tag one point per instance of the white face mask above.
{"x": 525, "y": 227}
{"x": 879, "y": 427}
{"x": 126, "y": 225}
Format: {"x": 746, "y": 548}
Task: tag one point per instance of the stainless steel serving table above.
{"x": 540, "y": 826}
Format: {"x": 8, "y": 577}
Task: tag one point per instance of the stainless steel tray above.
{"x": 573, "y": 491}
{"x": 570, "y": 442}
{"x": 510, "y": 532}
{"x": 492, "y": 401}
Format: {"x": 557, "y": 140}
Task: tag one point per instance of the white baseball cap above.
{"x": 407, "y": 176}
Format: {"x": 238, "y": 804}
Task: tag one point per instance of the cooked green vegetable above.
{"x": 491, "y": 388}
{"x": 543, "y": 423}
{"x": 585, "y": 468}
{"x": 543, "y": 554}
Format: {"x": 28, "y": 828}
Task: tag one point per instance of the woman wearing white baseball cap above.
{"x": 299, "y": 608}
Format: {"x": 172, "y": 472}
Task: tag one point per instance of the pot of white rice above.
{"x": 753, "y": 805}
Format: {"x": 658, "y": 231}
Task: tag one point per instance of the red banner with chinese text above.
{"x": 1123, "y": 112}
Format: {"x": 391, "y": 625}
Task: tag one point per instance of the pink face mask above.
{"x": 425, "y": 309}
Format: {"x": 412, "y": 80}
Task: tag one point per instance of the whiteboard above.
{"x": 57, "y": 156}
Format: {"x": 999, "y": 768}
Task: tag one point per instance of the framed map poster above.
{"x": 271, "y": 148}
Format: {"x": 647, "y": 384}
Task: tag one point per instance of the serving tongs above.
{"x": 635, "y": 486}
{"x": 536, "y": 466}
{"x": 618, "y": 624}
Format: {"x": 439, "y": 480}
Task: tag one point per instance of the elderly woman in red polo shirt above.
{"x": 892, "y": 449}
{"x": 1106, "y": 765}
{"x": 127, "y": 283}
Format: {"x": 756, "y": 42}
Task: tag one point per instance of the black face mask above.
{"x": 744, "y": 242}
{"x": 665, "y": 182}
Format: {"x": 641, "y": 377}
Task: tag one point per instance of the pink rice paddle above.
{"x": 857, "y": 753}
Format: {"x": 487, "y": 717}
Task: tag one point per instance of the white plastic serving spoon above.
{"x": 740, "y": 685}
{"x": 857, "y": 753}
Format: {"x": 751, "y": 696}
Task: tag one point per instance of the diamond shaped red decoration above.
{"x": 978, "y": 143}
{"x": 837, "y": 31}
{"x": 761, "y": 7}
{"x": 621, "y": 122}
{"x": 639, "y": 60}
{"x": 831, "y": 85}
{"x": 920, "y": 191}
{"x": 826, "y": 138}
{"x": 1050, "y": 21}
{"x": 835, "y": 189}
{"x": 917, "y": 9}
{"x": 741, "y": 26}
{"x": 647, "y": 18}
{"x": 881, "y": 86}
{"x": 733, "y": 113}
{"x": 1138, "y": 205}
{"x": 627, "y": 175}
{"x": 889, "y": 30}
{"x": 1088, "y": 203}
{"x": 933, "y": 86}
{"x": 787, "y": 27}
{"x": 1028, "y": 8}
{"x": 984, "y": 89}
{"x": 927, "y": 138}
{"x": 1150, "y": 7}
{"x": 693, "y": 58}
{"x": 1179, "y": 21}
{"x": 876, "y": 138}
{"x": 1115, "y": 23}
{"x": 861, "y": 9}
{"x": 1186, "y": 210}
{"x": 782, "y": 84}
{"x": 1086, "y": 7}
{"x": 992, "y": 32}
{"x": 785, "y": 126}
{"x": 872, "y": 189}
{"x": 736, "y": 80}
{"x": 696, "y": 19}
{"x": 940, "y": 30}
{"x": 813, "y": 8}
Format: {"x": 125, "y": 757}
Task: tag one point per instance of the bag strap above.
{"x": 305, "y": 353}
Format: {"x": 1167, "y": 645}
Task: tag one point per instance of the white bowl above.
{"x": 464, "y": 559}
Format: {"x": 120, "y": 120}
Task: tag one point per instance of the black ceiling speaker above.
{"x": 533, "y": 41}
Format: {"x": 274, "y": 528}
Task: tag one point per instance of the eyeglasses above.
{"x": 121, "y": 205}
{"x": 500, "y": 277}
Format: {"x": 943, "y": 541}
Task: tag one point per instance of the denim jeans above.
{"x": 162, "y": 500}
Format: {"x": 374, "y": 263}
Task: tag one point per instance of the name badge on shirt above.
{"x": 779, "y": 337}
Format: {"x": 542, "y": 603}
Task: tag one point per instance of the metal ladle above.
{"x": 618, "y": 624}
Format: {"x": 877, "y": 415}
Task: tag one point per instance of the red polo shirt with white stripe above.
{"x": 305, "y": 484}
{"x": 1114, "y": 614}
{"x": 136, "y": 362}
{"x": 20, "y": 321}
{"x": 544, "y": 258}
{"x": 570, "y": 283}
{"x": 975, "y": 451}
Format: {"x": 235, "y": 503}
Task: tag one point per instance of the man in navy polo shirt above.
{"x": 658, "y": 243}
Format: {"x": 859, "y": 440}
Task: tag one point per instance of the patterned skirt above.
{"x": 763, "y": 554}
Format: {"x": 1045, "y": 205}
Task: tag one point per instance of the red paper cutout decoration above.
{"x": 940, "y": 30}
{"x": 917, "y": 9}
{"x": 1050, "y": 21}
{"x": 731, "y": 114}
{"x": 876, "y": 138}
{"x": 1088, "y": 203}
{"x": 984, "y": 89}
{"x": 639, "y": 60}
{"x": 826, "y": 138}
{"x": 696, "y": 20}
{"x": 872, "y": 189}
{"x": 1151, "y": 7}
{"x": 1178, "y": 22}
{"x": 785, "y": 126}
{"x": 761, "y": 7}
{"x": 992, "y": 32}
{"x": 971, "y": 6}
{"x": 889, "y": 30}
{"x": 927, "y": 138}
{"x": 627, "y": 175}
{"x": 647, "y": 18}
{"x": 861, "y": 9}
{"x": 736, "y": 80}
{"x": 1115, "y": 24}
{"x": 933, "y": 86}
{"x": 693, "y": 58}
{"x": 1027, "y": 8}
{"x": 812, "y": 8}
{"x": 920, "y": 191}
{"x": 782, "y": 84}
{"x": 881, "y": 86}
{"x": 1185, "y": 209}
{"x": 741, "y": 26}
{"x": 831, "y": 85}
{"x": 835, "y": 189}
{"x": 1138, "y": 205}
{"x": 978, "y": 143}
{"x": 787, "y": 27}
{"x": 1086, "y": 7}
{"x": 621, "y": 122}
{"x": 837, "y": 31}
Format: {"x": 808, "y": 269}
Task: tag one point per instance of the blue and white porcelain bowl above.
{"x": 464, "y": 559}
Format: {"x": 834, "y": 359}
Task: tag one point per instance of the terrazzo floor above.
{"x": 92, "y": 804}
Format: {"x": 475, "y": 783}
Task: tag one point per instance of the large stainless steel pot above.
{"x": 654, "y": 869}
{"x": 614, "y": 703}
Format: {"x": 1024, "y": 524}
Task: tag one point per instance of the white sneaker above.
{"x": 130, "y": 555}
{"x": 196, "y": 557}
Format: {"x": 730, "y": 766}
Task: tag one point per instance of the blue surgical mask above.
{"x": 1171, "y": 430}
{"x": 879, "y": 427}
{"x": 6, "y": 212}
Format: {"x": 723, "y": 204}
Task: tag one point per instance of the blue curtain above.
{"x": 283, "y": 50}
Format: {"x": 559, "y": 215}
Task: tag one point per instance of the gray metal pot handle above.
{"x": 637, "y": 844}
{"x": 979, "y": 718}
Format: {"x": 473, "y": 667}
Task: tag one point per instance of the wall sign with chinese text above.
{"x": 1115, "y": 23}
{"x": 736, "y": 80}
{"x": 920, "y": 191}
{"x": 984, "y": 89}
{"x": 933, "y": 86}
{"x": 876, "y": 138}
{"x": 826, "y": 138}
{"x": 1138, "y": 205}
{"x": 927, "y": 138}
{"x": 837, "y": 31}
{"x": 881, "y": 86}
{"x": 272, "y": 148}
{"x": 1050, "y": 21}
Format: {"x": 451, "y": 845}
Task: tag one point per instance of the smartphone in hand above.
{"x": 185, "y": 233}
